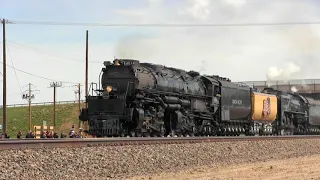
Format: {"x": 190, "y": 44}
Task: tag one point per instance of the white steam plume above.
{"x": 240, "y": 53}
{"x": 294, "y": 89}
{"x": 285, "y": 73}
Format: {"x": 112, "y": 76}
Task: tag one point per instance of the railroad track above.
{"x": 89, "y": 142}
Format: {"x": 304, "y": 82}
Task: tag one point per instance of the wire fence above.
{"x": 43, "y": 103}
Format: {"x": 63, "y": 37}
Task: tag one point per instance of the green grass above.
{"x": 17, "y": 117}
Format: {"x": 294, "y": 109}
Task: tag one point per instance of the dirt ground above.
{"x": 291, "y": 169}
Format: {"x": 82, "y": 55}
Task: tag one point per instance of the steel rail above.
{"x": 89, "y": 142}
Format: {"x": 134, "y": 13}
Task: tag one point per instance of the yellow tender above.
{"x": 264, "y": 107}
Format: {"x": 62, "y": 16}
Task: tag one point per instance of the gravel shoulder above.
{"x": 293, "y": 168}
{"x": 117, "y": 162}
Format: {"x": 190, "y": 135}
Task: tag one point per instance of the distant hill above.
{"x": 66, "y": 115}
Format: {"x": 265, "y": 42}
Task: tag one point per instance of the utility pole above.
{"x": 29, "y": 96}
{"x": 54, "y": 85}
{"x": 4, "y": 105}
{"x": 87, "y": 64}
{"x": 78, "y": 91}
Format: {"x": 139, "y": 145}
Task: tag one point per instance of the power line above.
{"x": 15, "y": 69}
{"x": 38, "y": 76}
{"x": 164, "y": 25}
{"x": 48, "y": 53}
{"x": 15, "y": 72}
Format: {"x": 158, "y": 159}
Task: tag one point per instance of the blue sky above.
{"x": 31, "y": 42}
{"x": 240, "y": 53}
{"x": 66, "y": 11}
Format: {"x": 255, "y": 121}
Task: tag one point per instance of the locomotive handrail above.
{"x": 100, "y": 79}
{"x": 128, "y": 84}
{"x": 242, "y": 84}
{"x": 91, "y": 87}
{"x": 178, "y": 93}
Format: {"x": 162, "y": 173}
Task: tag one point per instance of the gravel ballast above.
{"x": 106, "y": 162}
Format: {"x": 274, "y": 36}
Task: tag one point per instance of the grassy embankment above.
{"x": 66, "y": 115}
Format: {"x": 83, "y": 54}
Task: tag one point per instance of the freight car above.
{"x": 144, "y": 99}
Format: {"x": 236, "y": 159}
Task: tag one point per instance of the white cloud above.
{"x": 286, "y": 73}
{"x": 199, "y": 9}
{"x": 236, "y": 3}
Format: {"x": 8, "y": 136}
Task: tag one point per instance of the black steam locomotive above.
{"x": 144, "y": 99}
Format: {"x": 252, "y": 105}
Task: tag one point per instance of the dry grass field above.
{"x": 299, "y": 168}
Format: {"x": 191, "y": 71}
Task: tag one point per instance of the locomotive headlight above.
{"x": 109, "y": 89}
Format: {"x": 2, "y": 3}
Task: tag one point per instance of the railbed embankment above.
{"x": 116, "y": 162}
